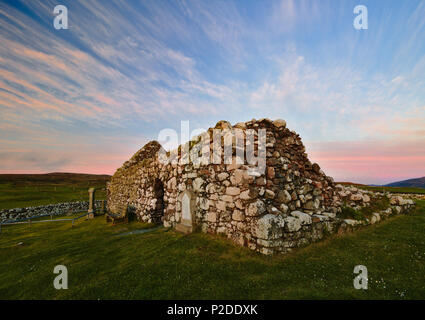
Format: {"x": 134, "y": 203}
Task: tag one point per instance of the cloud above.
{"x": 129, "y": 69}
{"x": 140, "y": 76}
{"x": 32, "y": 160}
{"x": 314, "y": 97}
{"x": 369, "y": 162}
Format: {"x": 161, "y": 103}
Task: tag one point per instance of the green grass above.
{"x": 26, "y": 196}
{"x": 17, "y": 191}
{"x": 164, "y": 264}
{"x": 377, "y": 205}
{"x": 350, "y": 213}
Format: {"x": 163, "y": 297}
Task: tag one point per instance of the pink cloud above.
{"x": 370, "y": 162}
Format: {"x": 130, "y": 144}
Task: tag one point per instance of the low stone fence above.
{"x": 50, "y": 209}
{"x": 277, "y": 234}
{"x": 414, "y": 196}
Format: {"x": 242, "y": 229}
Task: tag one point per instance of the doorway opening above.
{"x": 158, "y": 210}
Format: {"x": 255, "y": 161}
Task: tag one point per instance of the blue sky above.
{"x": 85, "y": 99}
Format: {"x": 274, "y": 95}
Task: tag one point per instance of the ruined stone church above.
{"x": 288, "y": 204}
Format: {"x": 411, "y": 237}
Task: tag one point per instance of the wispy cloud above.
{"x": 89, "y": 96}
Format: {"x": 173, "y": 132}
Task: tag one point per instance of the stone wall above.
{"x": 414, "y": 196}
{"x": 51, "y": 209}
{"x": 285, "y": 206}
{"x": 278, "y": 234}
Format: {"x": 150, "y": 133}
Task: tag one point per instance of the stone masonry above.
{"x": 290, "y": 204}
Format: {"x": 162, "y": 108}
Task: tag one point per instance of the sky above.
{"x": 84, "y": 99}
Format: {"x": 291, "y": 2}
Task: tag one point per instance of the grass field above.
{"x": 18, "y": 191}
{"x": 163, "y": 264}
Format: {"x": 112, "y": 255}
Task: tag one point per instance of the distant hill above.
{"x": 54, "y": 178}
{"x": 418, "y": 183}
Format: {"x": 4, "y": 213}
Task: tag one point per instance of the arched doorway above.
{"x": 158, "y": 210}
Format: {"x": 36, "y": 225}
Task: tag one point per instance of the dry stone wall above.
{"x": 278, "y": 234}
{"x": 414, "y": 196}
{"x": 288, "y": 204}
{"x": 50, "y": 209}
